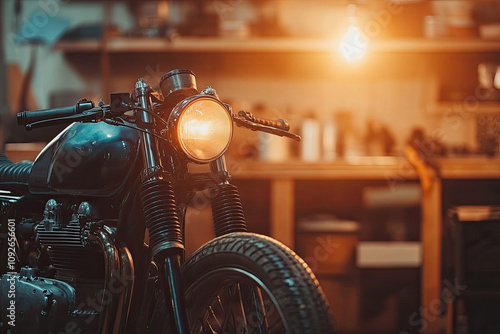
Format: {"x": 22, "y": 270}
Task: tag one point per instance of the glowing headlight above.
{"x": 201, "y": 127}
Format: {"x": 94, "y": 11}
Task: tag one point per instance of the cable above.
{"x": 147, "y": 111}
{"x": 117, "y": 123}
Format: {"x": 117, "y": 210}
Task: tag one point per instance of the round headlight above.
{"x": 202, "y": 128}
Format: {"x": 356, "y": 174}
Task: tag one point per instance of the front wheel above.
{"x": 247, "y": 283}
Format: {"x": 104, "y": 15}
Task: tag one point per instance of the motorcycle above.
{"x": 92, "y": 232}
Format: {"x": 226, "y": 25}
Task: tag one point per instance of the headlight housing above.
{"x": 201, "y": 128}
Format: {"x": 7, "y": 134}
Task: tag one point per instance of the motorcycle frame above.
{"x": 133, "y": 274}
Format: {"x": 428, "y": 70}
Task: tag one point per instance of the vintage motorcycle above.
{"x": 92, "y": 231}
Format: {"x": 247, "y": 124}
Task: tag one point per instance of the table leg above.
{"x": 283, "y": 211}
{"x": 431, "y": 237}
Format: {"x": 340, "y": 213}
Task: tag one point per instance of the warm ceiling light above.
{"x": 353, "y": 45}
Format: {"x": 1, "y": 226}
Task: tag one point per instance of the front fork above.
{"x": 160, "y": 211}
{"x": 227, "y": 210}
{"x": 161, "y": 214}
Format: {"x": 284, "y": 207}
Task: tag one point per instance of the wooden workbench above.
{"x": 432, "y": 172}
{"x": 394, "y": 170}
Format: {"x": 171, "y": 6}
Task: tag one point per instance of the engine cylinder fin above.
{"x": 67, "y": 247}
{"x": 68, "y": 258}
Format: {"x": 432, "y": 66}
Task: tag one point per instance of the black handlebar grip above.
{"x": 278, "y": 124}
{"x": 27, "y": 117}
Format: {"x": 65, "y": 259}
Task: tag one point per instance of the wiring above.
{"x": 111, "y": 121}
{"x": 146, "y": 111}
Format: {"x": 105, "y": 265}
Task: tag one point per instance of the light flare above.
{"x": 353, "y": 45}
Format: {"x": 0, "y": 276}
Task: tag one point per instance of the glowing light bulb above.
{"x": 353, "y": 45}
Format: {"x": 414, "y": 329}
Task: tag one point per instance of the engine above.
{"x": 58, "y": 287}
{"x": 38, "y": 302}
{"x": 63, "y": 235}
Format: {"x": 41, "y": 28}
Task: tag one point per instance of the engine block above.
{"x": 65, "y": 240}
{"x": 42, "y": 305}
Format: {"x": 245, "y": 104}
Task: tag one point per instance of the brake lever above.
{"x": 241, "y": 121}
{"x": 91, "y": 115}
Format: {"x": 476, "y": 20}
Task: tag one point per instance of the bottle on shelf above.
{"x": 271, "y": 148}
{"x": 329, "y": 139}
{"x": 311, "y": 140}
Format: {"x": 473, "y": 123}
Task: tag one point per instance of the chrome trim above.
{"x": 11, "y": 199}
{"x": 149, "y": 144}
{"x": 127, "y": 273}
{"x": 173, "y": 121}
{"x": 118, "y": 267}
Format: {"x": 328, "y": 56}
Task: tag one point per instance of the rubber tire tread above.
{"x": 284, "y": 273}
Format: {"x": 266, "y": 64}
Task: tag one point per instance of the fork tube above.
{"x": 149, "y": 146}
{"x": 160, "y": 212}
{"x": 227, "y": 210}
{"x": 171, "y": 267}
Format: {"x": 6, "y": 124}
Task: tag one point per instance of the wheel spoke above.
{"x": 229, "y": 315}
{"x": 260, "y": 310}
{"x": 219, "y": 302}
{"x": 211, "y": 311}
{"x": 242, "y": 308}
{"x": 207, "y": 327}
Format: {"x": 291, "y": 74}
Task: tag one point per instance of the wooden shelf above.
{"x": 92, "y": 45}
{"x": 354, "y": 168}
{"x": 437, "y": 45}
{"x": 415, "y": 45}
{"x": 366, "y": 168}
{"x": 480, "y": 167}
{"x": 466, "y": 106}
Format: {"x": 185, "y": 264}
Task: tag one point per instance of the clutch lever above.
{"x": 278, "y": 128}
{"x": 91, "y": 115}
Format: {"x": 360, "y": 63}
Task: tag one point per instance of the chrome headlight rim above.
{"x": 173, "y": 124}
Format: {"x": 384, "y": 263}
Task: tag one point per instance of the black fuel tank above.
{"x": 93, "y": 159}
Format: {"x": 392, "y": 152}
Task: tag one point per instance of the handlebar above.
{"x": 84, "y": 111}
{"x": 28, "y": 117}
{"x": 278, "y": 124}
{"x": 276, "y": 127}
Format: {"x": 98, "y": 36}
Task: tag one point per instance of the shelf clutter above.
{"x": 195, "y": 44}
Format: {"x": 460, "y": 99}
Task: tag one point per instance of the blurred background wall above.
{"x": 395, "y": 88}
